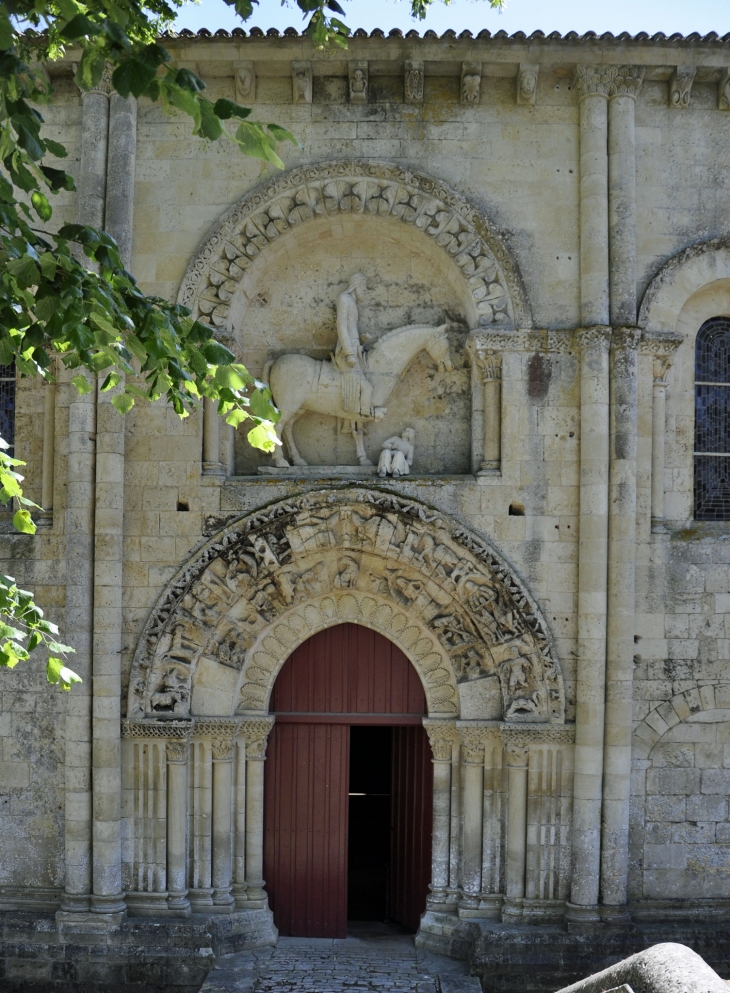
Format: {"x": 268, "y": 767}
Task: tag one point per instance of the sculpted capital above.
{"x": 593, "y": 79}
{"x": 626, "y": 81}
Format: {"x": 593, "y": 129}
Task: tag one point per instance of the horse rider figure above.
{"x": 357, "y": 392}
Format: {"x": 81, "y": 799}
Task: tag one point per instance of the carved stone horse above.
{"x": 300, "y": 383}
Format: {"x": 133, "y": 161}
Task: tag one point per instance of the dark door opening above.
{"x": 369, "y": 843}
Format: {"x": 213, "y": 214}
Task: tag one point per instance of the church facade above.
{"x": 491, "y": 294}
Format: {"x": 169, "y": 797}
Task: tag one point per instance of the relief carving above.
{"x": 680, "y": 87}
{"x": 358, "y": 80}
{"x": 370, "y": 188}
{"x": 355, "y": 384}
{"x": 527, "y": 84}
{"x": 471, "y": 82}
{"x": 245, "y": 79}
{"x": 439, "y": 592}
{"x": 301, "y": 79}
{"x": 413, "y": 82}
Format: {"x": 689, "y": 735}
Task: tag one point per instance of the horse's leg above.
{"x": 289, "y": 437}
{"x": 357, "y": 434}
{"x": 279, "y": 459}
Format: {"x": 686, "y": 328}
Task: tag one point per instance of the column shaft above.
{"x": 592, "y": 606}
{"x": 49, "y": 446}
{"x": 622, "y": 194}
{"x": 658, "y": 434}
{"x": 107, "y": 648}
{"x": 222, "y": 839}
{"x": 517, "y": 756}
{"x": 211, "y": 438}
{"x": 239, "y": 838}
{"x": 177, "y": 819}
{"x": 594, "y": 206}
{"x": 621, "y": 607}
{"x": 473, "y": 802}
{"x": 256, "y": 736}
{"x": 119, "y": 212}
{"x": 441, "y": 738}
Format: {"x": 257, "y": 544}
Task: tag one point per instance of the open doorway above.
{"x": 368, "y": 849}
{"x": 349, "y": 708}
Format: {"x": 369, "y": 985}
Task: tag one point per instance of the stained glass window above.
{"x": 7, "y": 406}
{"x": 712, "y": 421}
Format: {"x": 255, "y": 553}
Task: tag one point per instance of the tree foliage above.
{"x": 65, "y": 297}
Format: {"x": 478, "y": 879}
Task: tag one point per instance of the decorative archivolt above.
{"x": 679, "y": 278}
{"x": 269, "y": 580}
{"x": 374, "y": 189}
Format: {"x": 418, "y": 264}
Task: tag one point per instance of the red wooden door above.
{"x": 342, "y": 676}
{"x": 305, "y": 834}
{"x": 411, "y": 825}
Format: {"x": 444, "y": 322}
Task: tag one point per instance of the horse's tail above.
{"x": 267, "y": 370}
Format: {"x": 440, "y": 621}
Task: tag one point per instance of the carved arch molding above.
{"x": 220, "y": 632}
{"x": 375, "y": 189}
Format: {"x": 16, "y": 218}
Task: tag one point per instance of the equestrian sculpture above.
{"x": 354, "y": 385}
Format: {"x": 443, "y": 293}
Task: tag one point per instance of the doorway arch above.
{"x": 348, "y": 788}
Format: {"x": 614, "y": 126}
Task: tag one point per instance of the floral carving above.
{"x": 413, "y": 82}
{"x": 367, "y": 188}
{"x": 271, "y": 579}
{"x": 680, "y": 87}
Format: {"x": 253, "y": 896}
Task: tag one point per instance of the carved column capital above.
{"x": 474, "y": 740}
{"x": 589, "y": 80}
{"x": 104, "y": 85}
{"x": 222, "y": 749}
{"x": 680, "y": 87}
{"x": 441, "y": 736}
{"x": 177, "y": 750}
{"x": 256, "y": 734}
{"x": 626, "y": 81}
{"x": 517, "y": 752}
{"x": 595, "y": 337}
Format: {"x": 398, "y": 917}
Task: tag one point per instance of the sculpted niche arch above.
{"x": 229, "y": 619}
{"x": 372, "y": 189}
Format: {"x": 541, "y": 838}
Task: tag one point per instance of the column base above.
{"x": 75, "y": 903}
{"x": 214, "y": 469}
{"x": 240, "y": 895}
{"x": 111, "y": 906}
{"x": 490, "y": 469}
{"x": 658, "y": 526}
{"x": 201, "y": 900}
{"x": 578, "y": 918}
{"x": 512, "y": 910}
{"x": 178, "y": 904}
{"x": 616, "y": 918}
{"x": 223, "y": 902}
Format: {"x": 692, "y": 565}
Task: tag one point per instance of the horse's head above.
{"x": 438, "y": 349}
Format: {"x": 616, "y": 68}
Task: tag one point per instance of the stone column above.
{"x": 517, "y": 754}
{"x": 177, "y": 820}
{"x": 120, "y": 173}
{"x": 239, "y": 827}
{"x": 486, "y": 377}
{"x": 441, "y": 735}
{"x": 222, "y": 835}
{"x": 211, "y": 439}
{"x": 472, "y": 806}
{"x": 626, "y": 83}
{"x": 80, "y": 504}
{"x": 662, "y": 354}
{"x": 592, "y": 605}
{"x": 621, "y": 607}
{"x": 108, "y": 897}
{"x": 256, "y": 734}
{"x": 49, "y": 446}
{"x": 592, "y": 84}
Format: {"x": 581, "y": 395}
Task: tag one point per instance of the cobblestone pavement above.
{"x": 372, "y": 959}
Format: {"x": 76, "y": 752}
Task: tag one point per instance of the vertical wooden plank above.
{"x": 412, "y": 798}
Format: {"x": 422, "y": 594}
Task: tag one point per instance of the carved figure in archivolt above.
{"x": 272, "y": 579}
{"x": 355, "y": 384}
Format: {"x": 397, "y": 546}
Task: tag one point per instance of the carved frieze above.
{"x": 680, "y": 87}
{"x": 527, "y": 84}
{"x": 272, "y": 579}
{"x": 471, "y": 83}
{"x": 413, "y": 82}
{"x": 352, "y": 187}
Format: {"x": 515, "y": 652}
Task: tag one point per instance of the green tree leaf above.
{"x": 23, "y": 522}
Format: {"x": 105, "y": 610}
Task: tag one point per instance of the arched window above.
{"x": 712, "y": 421}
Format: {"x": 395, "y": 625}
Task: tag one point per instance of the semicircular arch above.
{"x": 222, "y": 629}
{"x": 470, "y": 242}
{"x": 698, "y": 267}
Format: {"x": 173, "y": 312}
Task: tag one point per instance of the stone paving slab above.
{"x": 372, "y": 961}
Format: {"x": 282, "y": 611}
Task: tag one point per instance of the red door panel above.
{"x": 411, "y": 820}
{"x": 305, "y": 819}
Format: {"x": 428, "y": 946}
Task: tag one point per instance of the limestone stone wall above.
{"x": 634, "y": 597}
